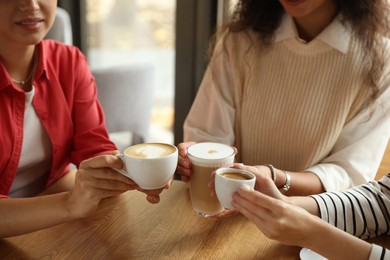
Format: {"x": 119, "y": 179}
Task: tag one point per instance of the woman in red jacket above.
{"x": 49, "y": 117}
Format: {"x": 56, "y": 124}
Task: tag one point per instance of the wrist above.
{"x": 280, "y": 178}
{"x": 310, "y": 239}
{"x": 289, "y": 200}
{"x": 286, "y": 186}
{"x": 272, "y": 171}
{"x": 72, "y": 210}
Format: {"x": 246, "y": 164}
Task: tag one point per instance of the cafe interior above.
{"x": 161, "y": 48}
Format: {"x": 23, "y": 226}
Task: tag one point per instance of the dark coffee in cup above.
{"x": 230, "y": 180}
{"x": 236, "y": 176}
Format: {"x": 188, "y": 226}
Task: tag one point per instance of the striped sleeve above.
{"x": 363, "y": 211}
{"x": 379, "y": 253}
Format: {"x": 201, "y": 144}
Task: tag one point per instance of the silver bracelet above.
{"x": 273, "y": 173}
{"x": 287, "y": 184}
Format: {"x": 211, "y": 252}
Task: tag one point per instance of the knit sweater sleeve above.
{"x": 359, "y": 149}
{"x": 212, "y": 114}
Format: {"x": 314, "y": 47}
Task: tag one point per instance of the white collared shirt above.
{"x": 335, "y": 35}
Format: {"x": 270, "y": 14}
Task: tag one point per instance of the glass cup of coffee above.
{"x": 228, "y": 181}
{"x": 150, "y": 165}
{"x": 205, "y": 158}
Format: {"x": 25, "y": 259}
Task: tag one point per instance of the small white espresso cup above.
{"x": 150, "y": 165}
{"x": 228, "y": 181}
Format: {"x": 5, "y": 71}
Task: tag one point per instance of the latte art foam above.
{"x": 149, "y": 151}
{"x": 210, "y": 151}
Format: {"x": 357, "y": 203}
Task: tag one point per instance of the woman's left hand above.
{"x": 263, "y": 184}
{"x": 276, "y": 218}
{"x": 153, "y": 196}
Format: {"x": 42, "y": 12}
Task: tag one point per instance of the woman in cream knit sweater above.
{"x": 300, "y": 87}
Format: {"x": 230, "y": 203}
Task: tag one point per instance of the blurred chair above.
{"x": 125, "y": 92}
{"x": 126, "y": 95}
{"x": 62, "y": 27}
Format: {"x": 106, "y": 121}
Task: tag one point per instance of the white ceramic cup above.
{"x": 228, "y": 181}
{"x": 205, "y": 158}
{"x": 150, "y": 165}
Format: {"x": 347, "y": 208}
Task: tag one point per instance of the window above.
{"x": 225, "y": 8}
{"x": 137, "y": 32}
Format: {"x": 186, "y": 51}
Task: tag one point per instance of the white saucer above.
{"x": 307, "y": 254}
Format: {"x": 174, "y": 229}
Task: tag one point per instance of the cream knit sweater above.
{"x": 300, "y": 106}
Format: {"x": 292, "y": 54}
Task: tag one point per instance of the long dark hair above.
{"x": 369, "y": 20}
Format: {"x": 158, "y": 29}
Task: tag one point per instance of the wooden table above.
{"x": 384, "y": 167}
{"x": 128, "y": 227}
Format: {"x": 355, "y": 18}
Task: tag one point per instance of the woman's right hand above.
{"x": 184, "y": 164}
{"x": 264, "y": 182}
{"x": 95, "y": 180}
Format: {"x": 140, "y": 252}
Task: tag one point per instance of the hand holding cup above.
{"x": 205, "y": 158}
{"x": 150, "y": 165}
{"x": 230, "y": 180}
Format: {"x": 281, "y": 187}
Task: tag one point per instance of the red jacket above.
{"x": 66, "y": 103}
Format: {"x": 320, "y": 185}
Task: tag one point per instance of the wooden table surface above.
{"x": 384, "y": 167}
{"x": 128, "y": 227}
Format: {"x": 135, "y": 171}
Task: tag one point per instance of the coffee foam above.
{"x": 149, "y": 151}
{"x": 210, "y": 150}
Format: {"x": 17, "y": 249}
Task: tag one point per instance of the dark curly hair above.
{"x": 369, "y": 20}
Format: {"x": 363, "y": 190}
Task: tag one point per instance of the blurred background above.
{"x": 121, "y": 32}
{"x": 172, "y": 36}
